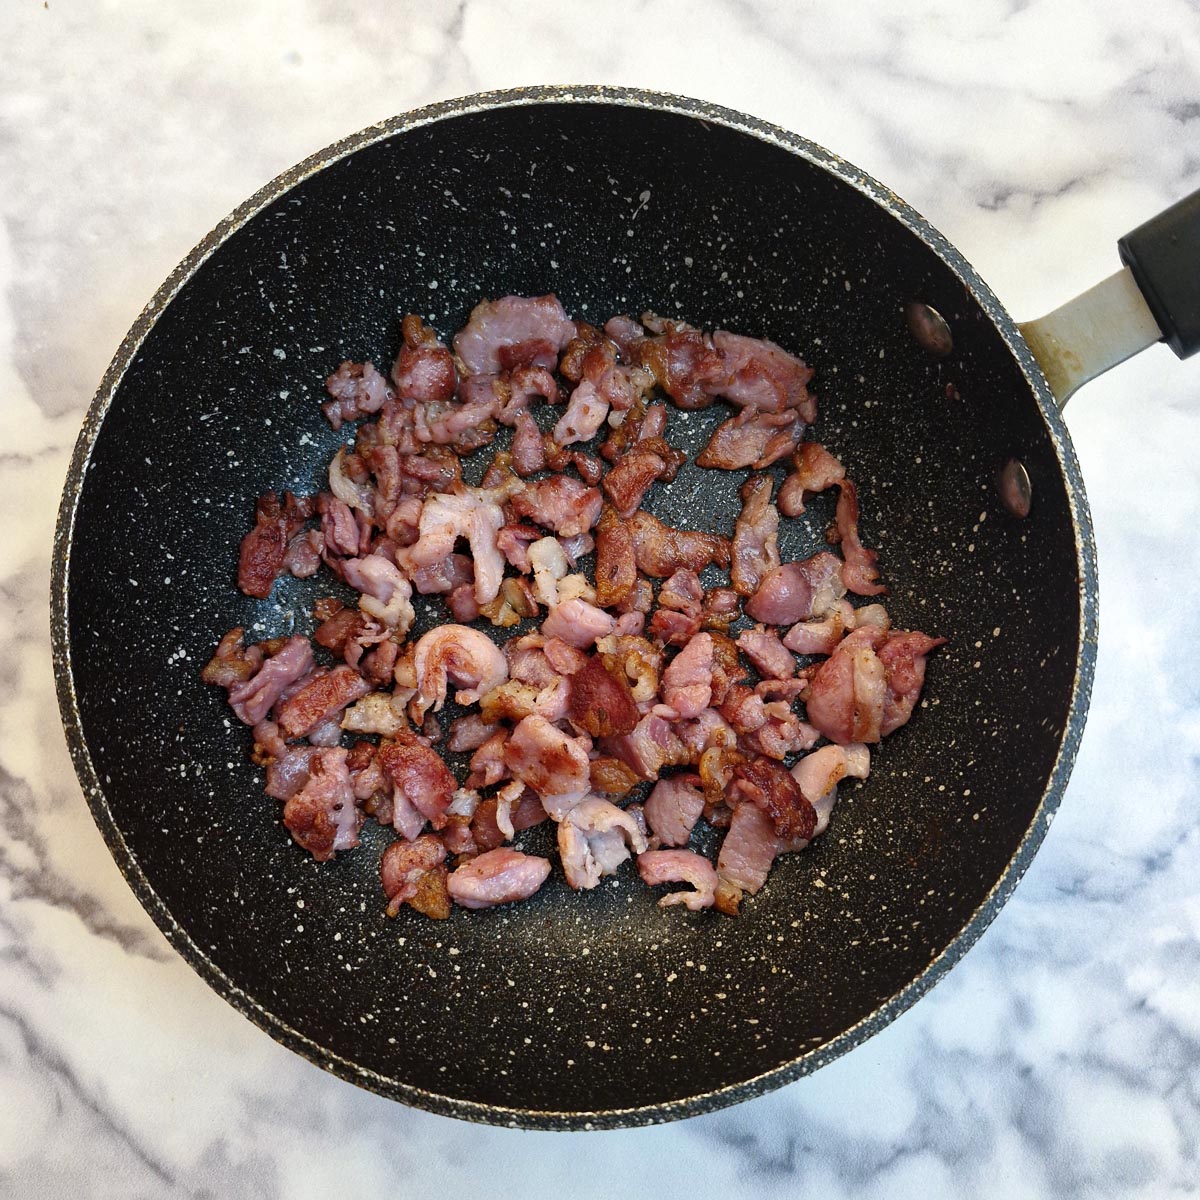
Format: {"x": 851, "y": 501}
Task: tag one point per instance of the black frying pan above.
{"x": 597, "y": 1009}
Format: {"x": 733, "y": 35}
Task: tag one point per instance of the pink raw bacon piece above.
{"x": 680, "y": 866}
{"x": 498, "y": 877}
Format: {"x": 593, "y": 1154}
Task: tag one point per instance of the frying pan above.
{"x": 595, "y": 1009}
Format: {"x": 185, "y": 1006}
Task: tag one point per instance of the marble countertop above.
{"x": 1062, "y": 1056}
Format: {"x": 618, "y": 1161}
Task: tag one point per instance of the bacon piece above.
{"x": 771, "y": 659}
{"x": 797, "y": 591}
{"x": 514, "y": 331}
{"x": 498, "y": 877}
{"x": 680, "y": 866}
{"x": 661, "y": 550}
{"x": 848, "y": 691}
{"x": 357, "y": 389}
{"x": 752, "y": 439}
{"x": 687, "y": 681}
{"x": 232, "y": 663}
{"x": 577, "y": 623}
{"x": 420, "y": 777}
{"x": 600, "y": 702}
{"x": 528, "y": 449}
{"x": 616, "y": 564}
{"x": 424, "y": 368}
{"x": 322, "y": 816}
{"x": 822, "y": 636}
{"x": 755, "y": 536}
{"x": 458, "y": 654}
{"x": 684, "y": 363}
{"x": 264, "y": 548}
{"x": 469, "y": 732}
{"x": 766, "y": 784}
{"x": 404, "y": 866}
{"x": 475, "y": 514}
{"x": 611, "y": 777}
{"x": 585, "y": 413}
{"x": 746, "y": 855}
{"x": 546, "y": 759}
{"x": 322, "y": 697}
{"x": 815, "y": 469}
{"x": 903, "y": 658}
{"x": 673, "y": 808}
{"x": 859, "y": 572}
{"x": 651, "y": 746}
{"x": 763, "y": 376}
{"x": 560, "y": 503}
{"x": 386, "y": 594}
{"x": 721, "y": 608}
{"x": 819, "y": 773}
{"x": 487, "y": 763}
{"x": 594, "y": 839}
{"x": 633, "y": 473}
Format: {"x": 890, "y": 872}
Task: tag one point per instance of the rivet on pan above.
{"x": 1016, "y": 492}
{"x": 929, "y": 327}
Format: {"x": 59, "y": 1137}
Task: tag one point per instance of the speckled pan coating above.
{"x": 599, "y": 1009}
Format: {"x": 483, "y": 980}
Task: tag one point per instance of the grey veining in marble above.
{"x": 1062, "y": 1057}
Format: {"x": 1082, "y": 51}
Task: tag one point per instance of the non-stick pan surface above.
{"x": 598, "y": 1008}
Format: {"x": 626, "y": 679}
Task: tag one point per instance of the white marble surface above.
{"x": 1062, "y": 1057}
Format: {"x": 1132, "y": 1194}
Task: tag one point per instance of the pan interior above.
{"x": 599, "y": 1001}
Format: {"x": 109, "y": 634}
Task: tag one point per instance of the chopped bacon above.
{"x": 611, "y": 777}
{"x": 560, "y": 503}
{"x": 673, "y": 808}
{"x": 680, "y": 866}
{"x": 797, "y": 591}
{"x": 469, "y": 732}
{"x": 903, "y": 658}
{"x": 424, "y": 368}
{"x": 752, "y": 439}
{"x": 546, "y": 759}
{"x": 514, "y": 331}
{"x": 403, "y": 868}
{"x": 687, "y": 681}
{"x": 722, "y": 606}
{"x": 357, "y": 389}
{"x": 815, "y": 469}
{"x": 661, "y": 550}
{"x": 487, "y": 763}
{"x": 600, "y": 701}
{"x": 252, "y": 699}
{"x": 444, "y": 576}
{"x": 755, "y": 536}
{"x": 322, "y": 697}
{"x": 765, "y": 783}
{"x": 764, "y": 376}
{"x": 499, "y": 876}
{"x": 232, "y": 663}
{"x": 859, "y": 572}
{"x": 419, "y": 775}
{"x": 594, "y": 839}
{"x": 464, "y": 656}
{"x": 770, "y": 657}
{"x": 264, "y": 548}
{"x": 386, "y": 594}
{"x": 847, "y": 692}
{"x": 322, "y": 816}
{"x": 822, "y": 636}
{"x": 616, "y": 565}
{"x": 634, "y": 472}
{"x": 577, "y": 623}
{"x": 585, "y": 413}
{"x": 747, "y": 853}
{"x": 685, "y": 365}
{"x": 651, "y": 746}
{"x": 474, "y": 514}
{"x": 528, "y": 449}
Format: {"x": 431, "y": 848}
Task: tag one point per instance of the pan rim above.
{"x": 717, "y": 1098}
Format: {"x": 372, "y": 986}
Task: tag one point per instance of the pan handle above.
{"x": 1155, "y": 297}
